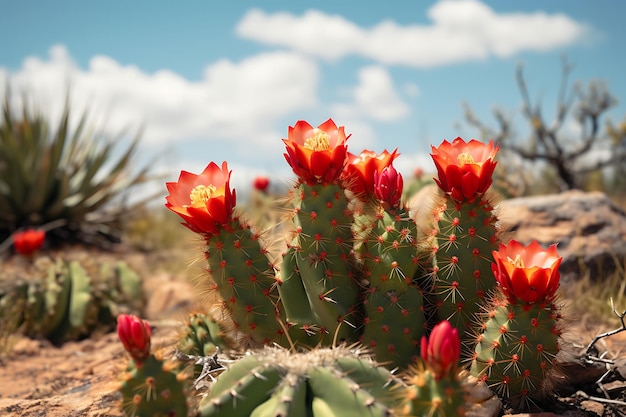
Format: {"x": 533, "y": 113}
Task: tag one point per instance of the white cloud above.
{"x": 461, "y": 30}
{"x": 241, "y": 100}
{"x": 374, "y": 98}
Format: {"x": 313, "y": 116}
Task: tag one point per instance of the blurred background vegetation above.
{"x": 578, "y": 147}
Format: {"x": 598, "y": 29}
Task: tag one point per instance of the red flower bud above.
{"x": 261, "y": 183}
{"x": 28, "y": 241}
{"x": 388, "y": 186}
{"x": 442, "y": 350}
{"x": 134, "y": 334}
{"x": 358, "y": 175}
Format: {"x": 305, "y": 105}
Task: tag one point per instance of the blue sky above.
{"x": 214, "y": 81}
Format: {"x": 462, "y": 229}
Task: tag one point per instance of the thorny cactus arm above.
{"x": 518, "y": 347}
{"x": 150, "y": 386}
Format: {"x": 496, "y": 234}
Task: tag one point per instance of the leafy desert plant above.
{"x": 70, "y": 181}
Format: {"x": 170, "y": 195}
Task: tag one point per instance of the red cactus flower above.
{"x": 316, "y": 155}
{"x": 204, "y": 201}
{"x": 388, "y": 186}
{"x": 28, "y": 241}
{"x": 527, "y": 273}
{"x": 261, "y": 183}
{"x": 358, "y": 175}
{"x": 464, "y": 169}
{"x": 442, "y": 350}
{"x": 134, "y": 334}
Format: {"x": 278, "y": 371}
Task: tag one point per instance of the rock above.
{"x": 593, "y": 407}
{"x": 588, "y": 227}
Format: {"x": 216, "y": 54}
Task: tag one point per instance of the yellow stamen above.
{"x": 201, "y": 194}
{"x": 465, "y": 158}
{"x": 518, "y": 262}
{"x": 319, "y": 142}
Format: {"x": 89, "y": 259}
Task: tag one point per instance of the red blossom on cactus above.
{"x": 204, "y": 201}
{"x": 527, "y": 273}
{"x": 316, "y": 155}
{"x": 464, "y": 169}
{"x": 261, "y": 183}
{"x": 28, "y": 241}
{"x": 134, "y": 334}
{"x": 358, "y": 175}
{"x": 441, "y": 351}
{"x": 388, "y": 186}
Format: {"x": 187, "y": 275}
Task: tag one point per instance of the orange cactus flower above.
{"x": 358, "y": 175}
{"x": 316, "y": 155}
{"x": 204, "y": 201}
{"x": 464, "y": 169}
{"x": 29, "y": 241}
{"x": 441, "y": 351}
{"x": 527, "y": 273}
{"x": 134, "y": 334}
{"x": 388, "y": 187}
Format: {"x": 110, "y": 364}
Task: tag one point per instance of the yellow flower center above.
{"x": 201, "y": 194}
{"x": 518, "y": 262}
{"x": 319, "y": 142}
{"x": 465, "y": 158}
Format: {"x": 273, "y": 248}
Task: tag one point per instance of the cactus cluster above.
{"x": 357, "y": 268}
{"x": 64, "y": 299}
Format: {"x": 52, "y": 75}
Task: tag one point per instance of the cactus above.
{"x": 434, "y": 384}
{"x": 203, "y": 336}
{"x": 465, "y": 234}
{"x": 320, "y": 262}
{"x": 394, "y": 307}
{"x": 517, "y": 348}
{"x": 239, "y": 268}
{"x": 356, "y": 268}
{"x": 319, "y": 290}
{"x": 69, "y": 299}
{"x": 150, "y": 386}
{"x": 320, "y": 382}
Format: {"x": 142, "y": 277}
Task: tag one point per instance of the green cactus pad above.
{"x": 151, "y": 389}
{"x": 320, "y": 264}
{"x": 394, "y": 325}
{"x": 429, "y": 397}
{"x": 464, "y": 281}
{"x": 517, "y": 350}
{"x": 245, "y": 279}
{"x": 68, "y": 299}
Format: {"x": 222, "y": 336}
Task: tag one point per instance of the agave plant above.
{"x": 69, "y": 181}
